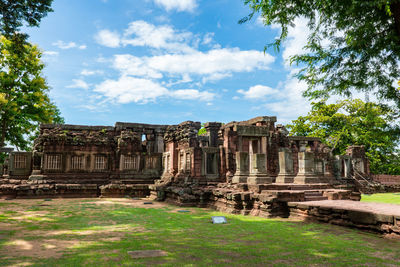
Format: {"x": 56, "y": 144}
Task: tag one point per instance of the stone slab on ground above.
{"x": 380, "y": 217}
{"x": 376, "y": 208}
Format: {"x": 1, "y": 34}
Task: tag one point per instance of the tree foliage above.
{"x": 14, "y": 13}
{"x": 354, "y": 122}
{"x": 24, "y": 100}
{"x": 352, "y": 45}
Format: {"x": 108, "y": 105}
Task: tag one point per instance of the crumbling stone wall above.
{"x": 114, "y": 158}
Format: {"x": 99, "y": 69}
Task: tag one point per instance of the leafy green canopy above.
{"x": 24, "y": 100}
{"x": 353, "y": 122}
{"x": 13, "y": 14}
{"x": 352, "y": 45}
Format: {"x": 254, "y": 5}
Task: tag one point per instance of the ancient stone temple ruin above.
{"x": 248, "y": 167}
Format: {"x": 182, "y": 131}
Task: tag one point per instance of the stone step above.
{"x": 312, "y": 193}
{"x": 314, "y": 198}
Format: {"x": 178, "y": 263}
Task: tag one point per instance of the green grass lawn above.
{"x": 99, "y": 232}
{"x": 393, "y": 198}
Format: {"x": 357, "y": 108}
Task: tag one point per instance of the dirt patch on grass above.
{"x": 101, "y": 233}
{"x": 384, "y": 255}
{"x": 136, "y": 203}
{"x": 31, "y": 215}
{"x": 48, "y": 248}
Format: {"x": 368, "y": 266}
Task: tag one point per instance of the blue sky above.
{"x": 166, "y": 61}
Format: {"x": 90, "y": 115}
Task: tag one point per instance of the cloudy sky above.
{"x": 166, "y": 61}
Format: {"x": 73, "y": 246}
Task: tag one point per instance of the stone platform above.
{"x": 377, "y": 217}
{"x": 13, "y": 188}
{"x": 266, "y": 200}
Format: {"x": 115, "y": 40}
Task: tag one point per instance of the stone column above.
{"x": 258, "y": 171}
{"x": 306, "y": 174}
{"x": 159, "y": 142}
{"x": 242, "y": 168}
{"x": 286, "y": 171}
{"x": 212, "y": 131}
{"x": 347, "y": 166}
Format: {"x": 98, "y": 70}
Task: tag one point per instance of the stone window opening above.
{"x": 254, "y": 146}
{"x": 181, "y": 161}
{"x": 100, "y": 163}
{"x": 53, "y": 162}
{"x": 167, "y": 163}
{"x": 77, "y": 163}
{"x": 19, "y": 161}
{"x": 188, "y": 162}
{"x": 151, "y": 163}
{"x": 211, "y": 166}
{"x": 131, "y": 162}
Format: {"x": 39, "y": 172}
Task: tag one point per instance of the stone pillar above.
{"x": 286, "y": 171}
{"x": 212, "y": 132}
{"x": 159, "y": 143}
{"x": 347, "y": 166}
{"x": 242, "y": 168}
{"x": 258, "y": 171}
{"x": 306, "y": 174}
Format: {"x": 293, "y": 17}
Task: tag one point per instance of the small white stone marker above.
{"x": 218, "y": 219}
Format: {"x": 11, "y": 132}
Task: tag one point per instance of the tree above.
{"x": 352, "y": 45}
{"x": 354, "y": 122}
{"x": 24, "y": 100}
{"x": 13, "y": 14}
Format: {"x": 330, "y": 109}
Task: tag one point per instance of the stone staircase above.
{"x": 312, "y": 195}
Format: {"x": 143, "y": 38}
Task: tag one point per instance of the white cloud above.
{"x": 108, "y": 38}
{"x": 260, "y": 21}
{"x": 131, "y": 65}
{"x": 137, "y": 90}
{"x": 159, "y": 37}
{"x": 162, "y": 19}
{"x": 214, "y": 64}
{"x": 50, "y": 53}
{"x": 258, "y": 92}
{"x": 129, "y": 89}
{"x": 287, "y": 100}
{"x": 175, "y": 60}
{"x": 86, "y": 72}
{"x": 208, "y": 38}
{"x": 214, "y": 61}
{"x": 63, "y": 45}
{"x": 78, "y": 83}
{"x": 179, "y": 5}
{"x": 50, "y": 56}
{"x": 296, "y": 40}
{"x": 192, "y": 94}
{"x": 290, "y": 103}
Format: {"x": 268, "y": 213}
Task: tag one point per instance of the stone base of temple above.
{"x": 266, "y": 200}
{"x": 306, "y": 179}
{"x": 48, "y": 188}
{"x": 36, "y": 175}
{"x": 377, "y": 217}
{"x": 260, "y": 180}
{"x": 239, "y": 179}
{"x": 284, "y": 178}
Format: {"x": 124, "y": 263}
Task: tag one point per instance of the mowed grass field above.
{"x": 392, "y": 198}
{"x": 101, "y": 232}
